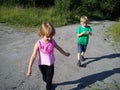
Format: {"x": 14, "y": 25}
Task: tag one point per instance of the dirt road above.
{"x": 101, "y": 69}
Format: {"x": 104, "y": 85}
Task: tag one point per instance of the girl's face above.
{"x": 46, "y": 38}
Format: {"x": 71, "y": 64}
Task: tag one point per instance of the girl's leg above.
{"x": 49, "y": 77}
{"x": 43, "y": 70}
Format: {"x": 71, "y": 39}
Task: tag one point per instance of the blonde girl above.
{"x": 44, "y": 47}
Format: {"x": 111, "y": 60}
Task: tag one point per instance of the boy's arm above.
{"x": 80, "y": 34}
{"x": 61, "y": 50}
{"x": 90, "y": 31}
{"x": 87, "y": 32}
{"x": 32, "y": 59}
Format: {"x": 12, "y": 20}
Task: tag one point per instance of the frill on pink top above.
{"x": 46, "y": 52}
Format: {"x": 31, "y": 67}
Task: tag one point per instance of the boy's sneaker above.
{"x": 79, "y": 63}
{"x": 82, "y": 58}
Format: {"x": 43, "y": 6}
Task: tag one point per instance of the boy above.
{"x": 83, "y": 31}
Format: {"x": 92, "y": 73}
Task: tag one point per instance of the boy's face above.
{"x": 83, "y": 23}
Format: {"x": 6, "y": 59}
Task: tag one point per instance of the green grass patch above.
{"x": 29, "y": 17}
{"x": 115, "y": 31}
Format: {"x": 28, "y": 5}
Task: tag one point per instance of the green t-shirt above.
{"x": 85, "y": 37}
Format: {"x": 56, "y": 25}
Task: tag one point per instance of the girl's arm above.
{"x": 61, "y": 50}
{"x": 32, "y": 59}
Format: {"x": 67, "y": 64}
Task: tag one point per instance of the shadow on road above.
{"x": 111, "y": 56}
{"x": 88, "y": 80}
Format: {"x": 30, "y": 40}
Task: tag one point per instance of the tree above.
{"x": 44, "y": 3}
{"x": 110, "y": 8}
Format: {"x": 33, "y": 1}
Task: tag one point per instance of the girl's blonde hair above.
{"x": 46, "y": 29}
{"x": 83, "y": 19}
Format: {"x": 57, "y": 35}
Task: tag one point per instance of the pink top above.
{"x": 46, "y": 53}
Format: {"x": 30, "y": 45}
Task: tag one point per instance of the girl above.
{"x": 45, "y": 49}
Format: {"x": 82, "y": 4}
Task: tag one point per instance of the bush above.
{"x": 115, "y": 31}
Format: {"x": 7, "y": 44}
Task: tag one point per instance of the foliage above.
{"x": 95, "y": 9}
{"x": 62, "y": 9}
{"x": 115, "y": 31}
{"x": 28, "y": 17}
{"x": 60, "y": 12}
{"x": 110, "y": 8}
{"x": 24, "y": 3}
{"x": 27, "y": 3}
{"x": 44, "y": 3}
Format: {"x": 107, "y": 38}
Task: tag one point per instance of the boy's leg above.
{"x": 49, "y": 77}
{"x": 83, "y": 52}
{"x": 79, "y": 55}
{"x": 82, "y": 56}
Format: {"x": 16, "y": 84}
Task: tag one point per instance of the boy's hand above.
{"x": 87, "y": 32}
{"x": 83, "y": 32}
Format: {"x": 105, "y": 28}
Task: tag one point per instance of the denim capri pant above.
{"x": 81, "y": 48}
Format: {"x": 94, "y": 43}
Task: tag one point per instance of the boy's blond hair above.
{"x": 46, "y": 29}
{"x": 84, "y": 19}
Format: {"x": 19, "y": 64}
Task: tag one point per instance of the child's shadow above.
{"x": 88, "y": 80}
{"x": 99, "y": 58}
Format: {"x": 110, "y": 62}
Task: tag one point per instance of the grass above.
{"x": 29, "y": 17}
{"x": 33, "y": 17}
{"x": 115, "y": 31}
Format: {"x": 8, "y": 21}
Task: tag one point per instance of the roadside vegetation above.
{"x": 31, "y": 13}
{"x": 28, "y": 17}
{"x": 115, "y": 31}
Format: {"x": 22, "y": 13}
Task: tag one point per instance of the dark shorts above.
{"x": 81, "y": 48}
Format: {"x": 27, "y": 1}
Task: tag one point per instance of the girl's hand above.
{"x": 28, "y": 74}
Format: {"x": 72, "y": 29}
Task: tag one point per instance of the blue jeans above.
{"x": 81, "y": 48}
